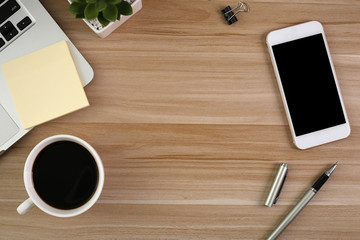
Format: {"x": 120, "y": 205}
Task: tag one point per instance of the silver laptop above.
{"x": 25, "y": 26}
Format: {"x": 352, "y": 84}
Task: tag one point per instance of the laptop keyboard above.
{"x": 14, "y": 21}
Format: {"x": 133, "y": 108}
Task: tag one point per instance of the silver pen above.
{"x": 302, "y": 203}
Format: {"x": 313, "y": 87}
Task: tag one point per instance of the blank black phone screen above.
{"x": 309, "y": 85}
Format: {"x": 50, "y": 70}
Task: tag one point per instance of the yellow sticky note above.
{"x": 45, "y": 85}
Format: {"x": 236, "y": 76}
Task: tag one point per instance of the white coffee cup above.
{"x": 35, "y": 200}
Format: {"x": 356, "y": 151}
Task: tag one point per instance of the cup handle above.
{"x": 25, "y": 206}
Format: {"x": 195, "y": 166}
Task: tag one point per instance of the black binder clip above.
{"x": 230, "y": 14}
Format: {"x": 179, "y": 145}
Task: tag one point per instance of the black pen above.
{"x": 302, "y": 203}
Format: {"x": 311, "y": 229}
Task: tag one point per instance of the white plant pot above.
{"x": 105, "y": 31}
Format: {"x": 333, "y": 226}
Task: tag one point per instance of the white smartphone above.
{"x": 308, "y": 84}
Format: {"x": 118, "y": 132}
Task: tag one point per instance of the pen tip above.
{"x": 331, "y": 169}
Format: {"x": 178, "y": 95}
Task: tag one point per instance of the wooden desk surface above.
{"x": 186, "y": 115}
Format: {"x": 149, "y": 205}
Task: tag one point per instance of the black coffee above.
{"x": 65, "y": 175}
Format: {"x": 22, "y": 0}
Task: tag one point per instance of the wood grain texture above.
{"x": 187, "y": 118}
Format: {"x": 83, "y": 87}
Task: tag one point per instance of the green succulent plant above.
{"x": 105, "y": 11}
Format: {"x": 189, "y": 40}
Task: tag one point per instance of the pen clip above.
{"x": 281, "y": 187}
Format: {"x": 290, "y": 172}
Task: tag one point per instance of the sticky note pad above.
{"x": 45, "y": 85}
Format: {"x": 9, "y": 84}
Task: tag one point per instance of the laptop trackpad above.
{"x": 8, "y": 127}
